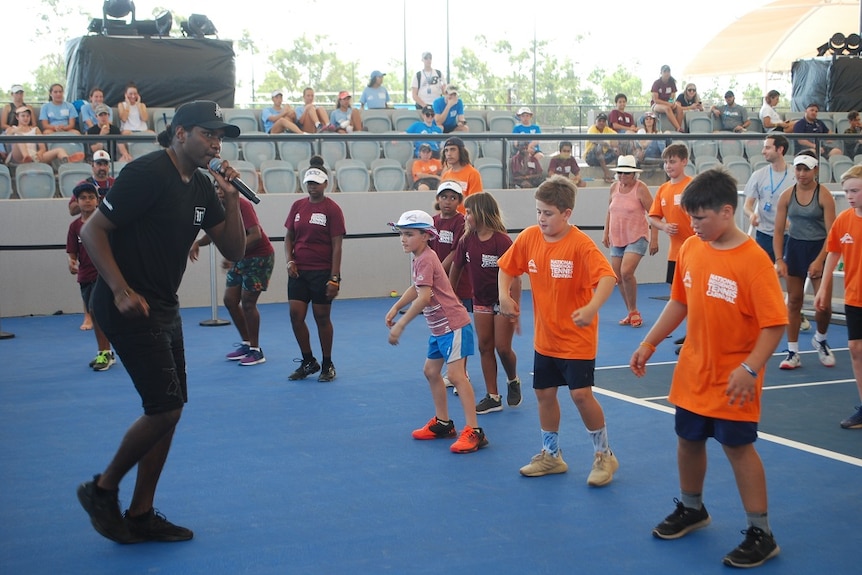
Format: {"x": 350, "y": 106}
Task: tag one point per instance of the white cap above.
{"x": 806, "y": 161}
{"x": 524, "y": 110}
{"x": 450, "y": 186}
{"x": 315, "y": 175}
{"x": 276, "y": 93}
{"x": 626, "y": 164}
{"x": 101, "y": 156}
{"x": 415, "y": 220}
{"x": 16, "y": 88}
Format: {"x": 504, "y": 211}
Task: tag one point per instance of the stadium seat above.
{"x": 476, "y": 121}
{"x": 857, "y": 159}
{"x": 388, "y": 175}
{"x": 501, "y": 121}
{"x": 841, "y": 122}
{"x": 472, "y": 146}
{"x": 731, "y": 148}
{"x": 491, "y": 171}
{"x": 376, "y": 121}
{"x": 493, "y": 149}
{"x": 5, "y": 182}
{"x": 352, "y": 176}
{"x": 366, "y": 151}
{"x": 825, "y": 171}
{"x": 256, "y": 151}
{"x": 739, "y": 168}
{"x": 827, "y": 119}
{"x": 698, "y": 122}
{"x": 707, "y": 148}
{"x": 839, "y": 165}
{"x": 74, "y": 148}
{"x": 294, "y": 151}
{"x": 758, "y": 164}
{"x": 401, "y": 150}
{"x": 229, "y": 150}
{"x": 753, "y": 150}
{"x": 703, "y": 163}
{"x": 245, "y": 119}
{"x": 160, "y": 117}
{"x": 138, "y": 149}
{"x": 690, "y": 170}
{"x": 302, "y": 167}
{"x": 248, "y": 173}
{"x": 278, "y": 177}
{"x": 403, "y": 119}
{"x": 756, "y": 125}
{"x": 35, "y": 180}
{"x": 70, "y": 175}
{"x": 332, "y": 151}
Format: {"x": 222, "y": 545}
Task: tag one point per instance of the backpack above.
{"x": 435, "y": 79}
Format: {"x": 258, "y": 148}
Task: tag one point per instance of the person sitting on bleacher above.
{"x": 731, "y": 117}
{"x": 853, "y": 148}
{"x": 771, "y": 119}
{"x": 663, "y": 92}
{"x": 101, "y": 178}
{"x": 312, "y": 118}
{"x": 809, "y": 124}
{"x": 104, "y": 127}
{"x": 31, "y": 152}
{"x": 57, "y": 115}
{"x": 425, "y": 170}
{"x": 566, "y": 165}
{"x": 601, "y": 153}
{"x": 426, "y": 126}
{"x": 8, "y": 117}
{"x": 450, "y": 111}
{"x": 650, "y": 151}
{"x": 689, "y": 100}
{"x": 133, "y": 112}
{"x": 623, "y": 122}
{"x": 279, "y": 117}
{"x": 345, "y": 118}
{"x": 87, "y": 116}
{"x": 525, "y": 168}
{"x": 525, "y": 116}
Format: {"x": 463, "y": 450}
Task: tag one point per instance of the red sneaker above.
{"x": 435, "y": 430}
{"x": 469, "y": 441}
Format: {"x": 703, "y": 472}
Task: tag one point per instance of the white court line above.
{"x": 645, "y": 402}
{"x": 809, "y": 384}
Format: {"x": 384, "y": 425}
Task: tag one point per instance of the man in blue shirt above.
{"x": 426, "y": 126}
{"x": 809, "y": 124}
{"x": 449, "y": 110}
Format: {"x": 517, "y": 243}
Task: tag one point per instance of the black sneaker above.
{"x": 327, "y": 374}
{"x": 513, "y": 392}
{"x": 757, "y": 548}
{"x": 103, "y": 507}
{"x": 489, "y": 405}
{"x": 681, "y": 522}
{"x": 154, "y": 526}
{"x": 305, "y": 369}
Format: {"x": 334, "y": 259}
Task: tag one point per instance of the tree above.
{"x": 310, "y": 62}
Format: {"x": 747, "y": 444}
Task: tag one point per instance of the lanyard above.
{"x": 772, "y": 185}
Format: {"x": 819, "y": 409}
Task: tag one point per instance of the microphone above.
{"x": 215, "y": 165}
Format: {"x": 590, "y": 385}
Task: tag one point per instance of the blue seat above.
{"x": 376, "y": 121}
{"x": 5, "y": 182}
{"x": 476, "y": 121}
{"x": 138, "y": 149}
{"x": 248, "y": 173}
{"x": 501, "y": 121}
{"x": 257, "y": 151}
{"x": 229, "y": 150}
{"x": 35, "y": 180}
{"x": 160, "y": 117}
{"x": 731, "y": 148}
{"x": 70, "y": 175}
{"x": 403, "y": 119}
{"x": 352, "y": 176}
{"x": 278, "y": 177}
{"x": 491, "y": 170}
{"x": 333, "y": 150}
{"x": 294, "y": 151}
{"x": 839, "y": 165}
{"x": 247, "y": 120}
{"x": 739, "y": 168}
{"x": 388, "y": 175}
{"x": 366, "y": 151}
{"x": 401, "y": 150}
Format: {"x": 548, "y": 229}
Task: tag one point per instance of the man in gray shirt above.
{"x": 731, "y": 117}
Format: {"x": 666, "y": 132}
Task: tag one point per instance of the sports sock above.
{"x": 819, "y": 337}
{"x": 691, "y": 500}
{"x": 759, "y": 520}
{"x": 550, "y": 442}
{"x": 793, "y": 346}
{"x": 600, "y": 440}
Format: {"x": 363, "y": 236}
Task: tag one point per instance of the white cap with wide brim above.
{"x": 415, "y": 220}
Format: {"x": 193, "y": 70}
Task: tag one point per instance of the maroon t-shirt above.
{"x": 451, "y": 231}
{"x": 312, "y": 227}
{"x": 479, "y": 260}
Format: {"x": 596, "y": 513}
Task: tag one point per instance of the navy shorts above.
{"x": 765, "y": 241}
{"x": 694, "y": 427}
{"x": 86, "y": 294}
{"x": 853, "y": 318}
{"x": 799, "y": 254}
{"x": 551, "y": 372}
{"x": 309, "y": 286}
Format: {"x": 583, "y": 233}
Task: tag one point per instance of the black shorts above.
{"x": 87, "y": 294}
{"x": 853, "y": 318}
{"x": 799, "y": 254}
{"x": 551, "y": 372}
{"x": 309, "y": 286}
{"x": 671, "y": 270}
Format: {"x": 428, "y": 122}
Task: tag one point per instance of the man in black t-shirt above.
{"x": 138, "y": 240}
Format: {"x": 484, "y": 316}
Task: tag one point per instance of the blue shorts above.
{"x": 638, "y": 247}
{"x": 853, "y": 319}
{"x": 799, "y": 254}
{"x": 556, "y": 372}
{"x": 452, "y": 346}
{"x": 694, "y": 427}
{"x": 765, "y": 241}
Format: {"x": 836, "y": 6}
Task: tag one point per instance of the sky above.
{"x": 625, "y": 33}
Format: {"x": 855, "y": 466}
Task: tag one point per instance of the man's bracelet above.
{"x": 648, "y": 345}
{"x": 747, "y": 368}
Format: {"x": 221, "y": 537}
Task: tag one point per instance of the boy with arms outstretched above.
{"x": 726, "y": 287}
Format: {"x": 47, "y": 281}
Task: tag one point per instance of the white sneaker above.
{"x": 824, "y": 353}
{"x": 805, "y": 325}
{"x": 604, "y": 467}
{"x": 792, "y": 361}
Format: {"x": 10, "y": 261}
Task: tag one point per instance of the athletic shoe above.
{"x": 154, "y": 526}
{"x": 757, "y": 548}
{"x": 254, "y": 357}
{"x": 804, "y": 325}
{"x": 854, "y": 421}
{"x": 545, "y": 464}
{"x": 435, "y": 429}
{"x": 682, "y": 521}
{"x": 679, "y": 341}
{"x": 446, "y": 381}
{"x": 305, "y": 369}
{"x": 792, "y": 361}
{"x": 103, "y": 507}
{"x": 513, "y": 392}
{"x": 103, "y": 361}
{"x": 469, "y": 441}
{"x": 604, "y": 467}
{"x": 327, "y": 374}
{"x": 488, "y": 405}
{"x": 240, "y": 352}
{"x": 824, "y": 352}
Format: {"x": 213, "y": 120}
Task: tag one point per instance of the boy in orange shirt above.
{"x": 571, "y": 279}
{"x": 730, "y": 294}
{"x": 845, "y": 239}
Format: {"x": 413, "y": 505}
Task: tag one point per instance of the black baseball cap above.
{"x": 205, "y": 114}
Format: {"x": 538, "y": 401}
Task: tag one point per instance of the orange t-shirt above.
{"x": 731, "y": 296}
{"x": 468, "y": 177}
{"x": 845, "y": 238}
{"x": 563, "y": 276}
{"x": 422, "y": 168}
{"x": 666, "y": 206}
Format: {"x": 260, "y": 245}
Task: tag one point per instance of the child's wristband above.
{"x": 747, "y": 368}
{"x": 648, "y": 345}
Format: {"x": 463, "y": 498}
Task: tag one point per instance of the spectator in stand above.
{"x": 809, "y": 124}
{"x": 31, "y": 152}
{"x": 601, "y": 153}
{"x": 650, "y": 151}
{"x": 311, "y": 118}
{"x": 426, "y": 169}
{"x": 689, "y": 100}
{"x": 525, "y": 115}
{"x": 104, "y": 127}
{"x": 279, "y": 118}
{"x": 8, "y": 117}
{"x": 457, "y": 166}
{"x": 566, "y": 165}
{"x": 426, "y": 126}
{"x": 101, "y": 178}
{"x": 663, "y": 94}
{"x": 58, "y": 115}
{"x": 345, "y": 119}
{"x": 87, "y": 116}
{"x": 375, "y": 96}
{"x": 852, "y": 148}
{"x": 133, "y": 112}
{"x": 731, "y": 117}
{"x": 771, "y": 119}
{"x": 623, "y": 123}
{"x": 450, "y": 111}
{"x": 525, "y": 168}
{"x": 428, "y": 83}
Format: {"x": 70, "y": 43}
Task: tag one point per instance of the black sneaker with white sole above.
{"x": 756, "y": 549}
{"x": 681, "y": 522}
